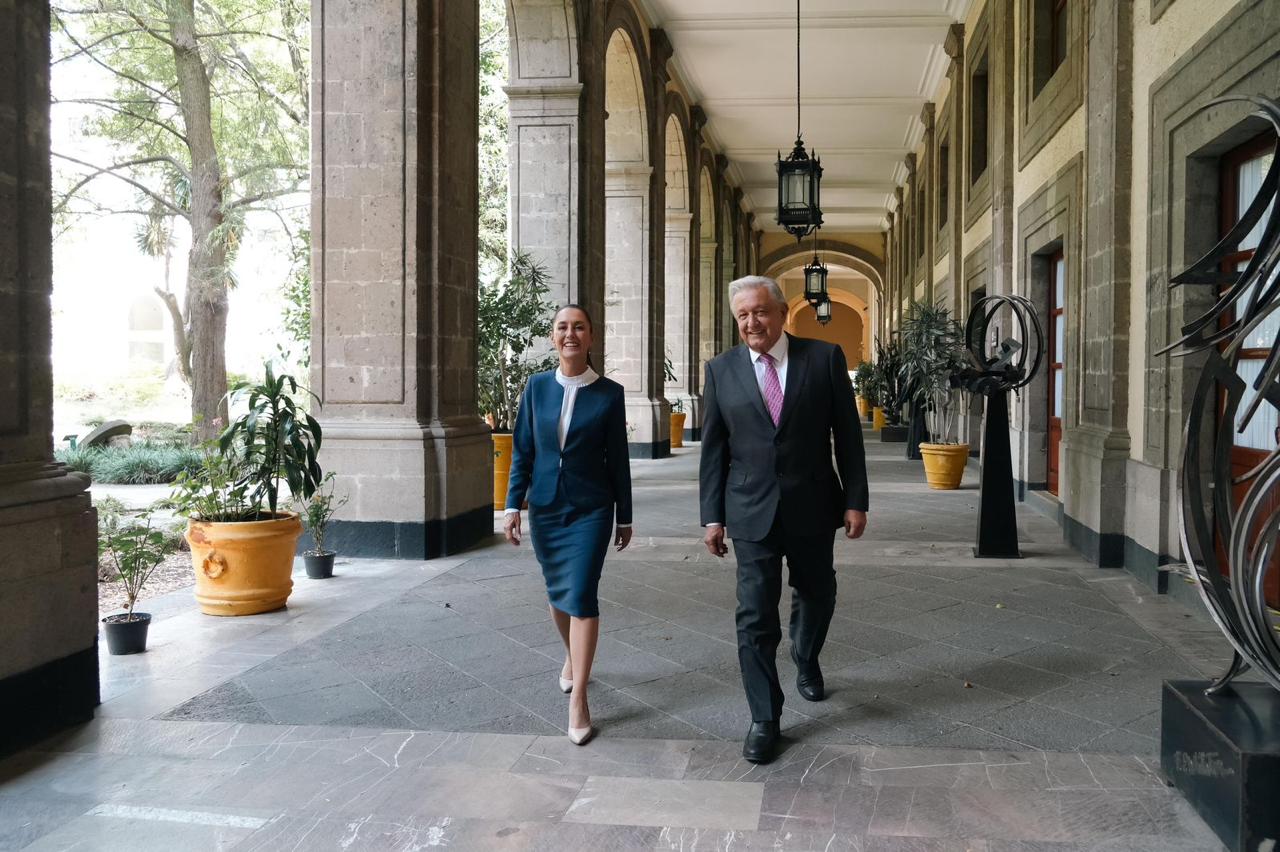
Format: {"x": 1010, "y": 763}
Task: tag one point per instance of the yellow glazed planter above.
{"x": 246, "y": 567}
{"x": 877, "y": 418}
{"x": 944, "y": 464}
{"x": 501, "y": 469}
{"x": 864, "y": 406}
{"x": 677, "y": 429}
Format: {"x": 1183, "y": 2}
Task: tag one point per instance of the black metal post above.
{"x": 997, "y": 518}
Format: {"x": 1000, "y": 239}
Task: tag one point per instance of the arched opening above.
{"x": 850, "y": 312}
{"x": 728, "y": 272}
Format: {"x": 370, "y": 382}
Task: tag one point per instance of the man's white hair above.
{"x": 750, "y": 282}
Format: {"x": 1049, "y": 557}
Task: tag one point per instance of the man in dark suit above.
{"x": 774, "y": 407}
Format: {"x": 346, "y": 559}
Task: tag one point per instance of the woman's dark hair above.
{"x": 576, "y": 307}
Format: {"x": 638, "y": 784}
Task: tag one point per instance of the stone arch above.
{"x": 544, "y": 94}
{"x": 846, "y": 254}
{"x": 849, "y": 326}
{"x": 708, "y": 293}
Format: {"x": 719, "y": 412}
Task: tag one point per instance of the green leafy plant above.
{"x": 276, "y": 439}
{"x": 218, "y": 490}
{"x": 134, "y": 548}
{"x": 319, "y": 509}
{"x": 863, "y": 382}
{"x": 677, "y": 405}
{"x": 511, "y": 315}
{"x": 932, "y": 352}
{"x": 885, "y": 381}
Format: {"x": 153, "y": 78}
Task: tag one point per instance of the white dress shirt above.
{"x": 571, "y": 385}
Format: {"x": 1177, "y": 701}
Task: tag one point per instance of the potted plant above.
{"x": 677, "y": 423}
{"x": 862, "y": 384}
{"x": 242, "y": 542}
{"x": 511, "y": 315}
{"x": 932, "y": 352}
{"x": 888, "y": 395}
{"x": 134, "y": 549}
{"x": 317, "y": 511}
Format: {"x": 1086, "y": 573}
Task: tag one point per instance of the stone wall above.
{"x": 48, "y": 530}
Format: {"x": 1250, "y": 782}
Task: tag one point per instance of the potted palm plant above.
{"x": 885, "y": 381}
{"x": 932, "y": 352}
{"x": 242, "y": 542}
{"x": 317, "y": 511}
{"x": 511, "y": 316}
{"x": 134, "y": 549}
{"x": 862, "y": 387}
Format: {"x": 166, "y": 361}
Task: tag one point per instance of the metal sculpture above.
{"x": 1235, "y": 598}
{"x": 1011, "y": 365}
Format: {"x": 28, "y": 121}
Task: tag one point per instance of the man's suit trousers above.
{"x": 812, "y": 577}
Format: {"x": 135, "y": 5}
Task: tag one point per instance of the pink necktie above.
{"x": 772, "y": 389}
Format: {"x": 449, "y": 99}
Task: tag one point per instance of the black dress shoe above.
{"x": 810, "y": 684}
{"x": 762, "y": 739}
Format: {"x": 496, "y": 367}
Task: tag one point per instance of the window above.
{"x": 1049, "y": 44}
{"x": 944, "y": 178}
{"x": 978, "y": 103}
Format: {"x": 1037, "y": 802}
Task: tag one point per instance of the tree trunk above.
{"x": 206, "y": 272}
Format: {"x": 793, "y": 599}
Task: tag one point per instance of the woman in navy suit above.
{"x": 569, "y": 457}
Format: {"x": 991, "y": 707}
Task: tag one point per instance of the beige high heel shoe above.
{"x": 566, "y": 685}
{"x": 581, "y": 736}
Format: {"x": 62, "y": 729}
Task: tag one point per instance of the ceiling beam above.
{"x": 828, "y": 21}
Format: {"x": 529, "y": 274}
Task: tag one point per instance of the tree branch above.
{"x": 251, "y": 71}
{"x": 145, "y": 85}
{"x": 91, "y": 45}
{"x": 113, "y": 106}
{"x": 181, "y": 342}
{"x": 264, "y": 196}
{"x": 112, "y": 171}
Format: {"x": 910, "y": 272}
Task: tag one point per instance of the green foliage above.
{"x": 885, "y": 380}
{"x": 297, "y": 299}
{"x": 319, "y": 509}
{"x": 862, "y": 382}
{"x": 218, "y": 490}
{"x": 510, "y": 316}
{"x": 276, "y": 440}
{"x": 492, "y": 149}
{"x": 932, "y": 352}
{"x": 136, "y": 464}
{"x": 134, "y": 548}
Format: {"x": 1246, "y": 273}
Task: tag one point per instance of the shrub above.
{"x": 79, "y": 459}
{"x": 139, "y": 464}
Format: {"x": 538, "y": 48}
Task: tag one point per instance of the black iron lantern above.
{"x": 824, "y": 310}
{"x": 815, "y": 279}
{"x": 799, "y": 175}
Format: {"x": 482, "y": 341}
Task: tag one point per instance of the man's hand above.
{"x": 855, "y": 523}
{"x": 622, "y": 537}
{"x": 714, "y": 540}
{"x": 511, "y": 527}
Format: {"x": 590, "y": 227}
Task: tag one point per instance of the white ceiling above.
{"x": 868, "y": 66}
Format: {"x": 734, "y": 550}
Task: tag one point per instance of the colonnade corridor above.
{"x": 975, "y": 704}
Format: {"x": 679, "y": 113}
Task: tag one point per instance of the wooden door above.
{"x": 1242, "y": 172}
{"x": 1057, "y": 348}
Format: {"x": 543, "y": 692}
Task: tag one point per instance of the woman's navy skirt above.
{"x": 570, "y": 544}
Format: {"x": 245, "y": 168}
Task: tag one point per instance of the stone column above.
{"x": 48, "y": 529}
{"x": 394, "y": 201}
{"x": 954, "y": 46}
{"x": 544, "y": 186}
{"x": 1003, "y": 110}
{"x": 928, "y": 177}
{"x": 681, "y": 306}
{"x": 1096, "y": 447}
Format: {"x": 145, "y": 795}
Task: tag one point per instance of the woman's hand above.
{"x": 511, "y": 527}
{"x": 622, "y": 537}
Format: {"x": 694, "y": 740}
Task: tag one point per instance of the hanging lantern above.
{"x": 824, "y": 310}
{"x": 799, "y": 175}
{"x": 815, "y": 281}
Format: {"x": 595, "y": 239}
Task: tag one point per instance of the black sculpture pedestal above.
{"x": 1223, "y": 754}
{"x": 997, "y": 516}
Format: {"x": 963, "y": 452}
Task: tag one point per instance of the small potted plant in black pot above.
{"x": 134, "y": 548}
{"x": 317, "y": 511}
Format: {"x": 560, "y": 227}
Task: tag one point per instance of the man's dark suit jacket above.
{"x": 749, "y": 468}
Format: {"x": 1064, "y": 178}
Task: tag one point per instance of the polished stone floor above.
{"x": 974, "y": 705}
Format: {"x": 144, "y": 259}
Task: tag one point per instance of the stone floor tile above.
{"x": 607, "y": 755}
{"x": 1042, "y": 726}
{"x": 117, "y": 828}
{"x": 689, "y": 804}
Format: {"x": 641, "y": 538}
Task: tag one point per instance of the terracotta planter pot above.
{"x": 677, "y": 429}
{"x": 877, "y": 418}
{"x": 246, "y": 567}
{"x": 864, "y": 406}
{"x": 944, "y": 464}
{"x": 501, "y": 469}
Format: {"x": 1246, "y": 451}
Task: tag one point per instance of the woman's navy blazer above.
{"x": 593, "y": 469}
